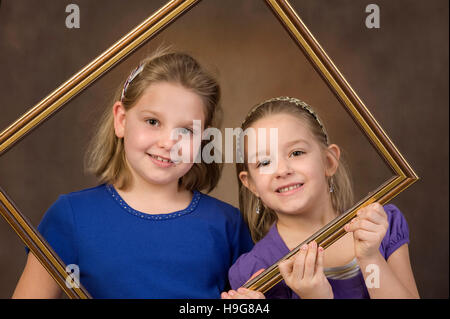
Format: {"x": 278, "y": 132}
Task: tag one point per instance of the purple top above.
{"x": 272, "y": 248}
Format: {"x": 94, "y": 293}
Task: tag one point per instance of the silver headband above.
{"x": 295, "y": 101}
{"x": 130, "y": 79}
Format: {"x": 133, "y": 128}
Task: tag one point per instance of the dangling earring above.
{"x": 331, "y": 184}
{"x": 258, "y": 208}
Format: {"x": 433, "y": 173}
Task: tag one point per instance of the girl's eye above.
{"x": 186, "y": 131}
{"x": 153, "y": 122}
{"x": 263, "y": 163}
{"x": 297, "y": 153}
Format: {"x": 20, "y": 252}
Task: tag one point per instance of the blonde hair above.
{"x": 105, "y": 157}
{"x": 342, "y": 195}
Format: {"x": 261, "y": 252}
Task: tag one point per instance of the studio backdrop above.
{"x": 399, "y": 69}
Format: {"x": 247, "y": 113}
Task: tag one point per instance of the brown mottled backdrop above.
{"x": 400, "y": 71}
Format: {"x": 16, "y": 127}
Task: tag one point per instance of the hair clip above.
{"x": 130, "y": 79}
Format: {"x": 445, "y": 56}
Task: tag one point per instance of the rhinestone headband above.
{"x": 295, "y": 101}
{"x": 130, "y": 79}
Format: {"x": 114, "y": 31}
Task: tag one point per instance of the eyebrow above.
{"x": 156, "y": 114}
{"x": 298, "y": 141}
{"x": 146, "y": 111}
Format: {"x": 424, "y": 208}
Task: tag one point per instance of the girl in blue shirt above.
{"x": 147, "y": 231}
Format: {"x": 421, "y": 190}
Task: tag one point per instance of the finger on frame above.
{"x": 319, "y": 261}
{"x": 250, "y": 293}
{"x": 299, "y": 262}
{"x": 364, "y": 224}
{"x": 310, "y": 261}
{"x": 373, "y": 215}
{"x": 236, "y": 295}
{"x": 225, "y": 295}
{"x": 256, "y": 274}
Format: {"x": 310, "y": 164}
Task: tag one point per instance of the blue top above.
{"x": 272, "y": 248}
{"x": 123, "y": 253}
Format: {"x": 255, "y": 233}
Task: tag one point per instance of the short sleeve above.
{"x": 397, "y": 233}
{"x": 57, "y": 227}
{"x": 242, "y": 241}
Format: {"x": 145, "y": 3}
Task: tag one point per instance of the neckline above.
{"x": 121, "y": 202}
{"x": 277, "y": 237}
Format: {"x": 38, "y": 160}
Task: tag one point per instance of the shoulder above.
{"x": 59, "y": 223}
{"x": 215, "y": 202}
{"x": 219, "y": 207}
{"x": 397, "y": 233}
{"x": 223, "y": 215}
{"x": 87, "y": 194}
{"x": 397, "y": 221}
{"x": 86, "y": 198}
{"x": 64, "y": 207}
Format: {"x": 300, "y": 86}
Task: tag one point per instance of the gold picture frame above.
{"x": 403, "y": 177}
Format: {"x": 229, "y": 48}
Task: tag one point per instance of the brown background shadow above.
{"x": 400, "y": 71}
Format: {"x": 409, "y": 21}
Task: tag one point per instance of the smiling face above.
{"x": 298, "y": 180}
{"x": 147, "y": 129}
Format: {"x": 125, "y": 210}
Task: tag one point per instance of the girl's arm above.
{"x": 36, "y": 282}
{"x": 391, "y": 278}
{"x": 396, "y": 279}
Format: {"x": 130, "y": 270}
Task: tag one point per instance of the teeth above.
{"x": 161, "y": 159}
{"x": 285, "y": 189}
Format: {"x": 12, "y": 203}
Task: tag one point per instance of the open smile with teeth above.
{"x": 289, "y": 188}
{"x": 159, "y": 158}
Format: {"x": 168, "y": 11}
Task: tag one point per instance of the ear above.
{"x": 119, "y": 113}
{"x": 332, "y": 159}
{"x": 247, "y": 182}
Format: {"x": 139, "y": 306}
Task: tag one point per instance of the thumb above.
{"x": 285, "y": 268}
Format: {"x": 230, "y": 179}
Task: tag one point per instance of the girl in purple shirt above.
{"x": 292, "y": 188}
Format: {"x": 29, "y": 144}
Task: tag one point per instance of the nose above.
{"x": 165, "y": 140}
{"x": 283, "y": 168}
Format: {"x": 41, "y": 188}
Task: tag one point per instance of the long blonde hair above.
{"x": 342, "y": 195}
{"x": 105, "y": 156}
